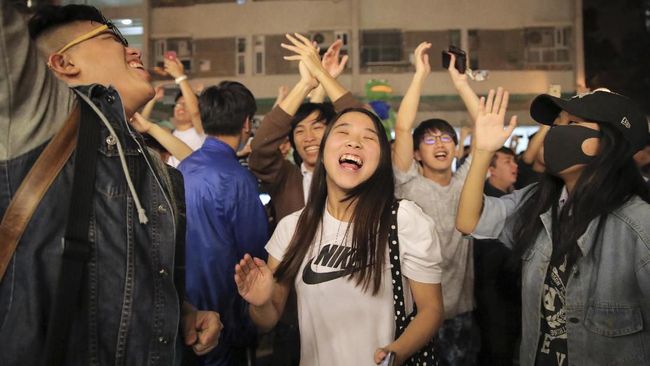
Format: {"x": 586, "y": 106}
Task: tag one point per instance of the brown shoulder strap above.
{"x": 33, "y": 187}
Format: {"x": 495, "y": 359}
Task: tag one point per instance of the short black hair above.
{"x": 48, "y": 17}
{"x": 431, "y": 125}
{"x": 225, "y": 107}
{"x": 502, "y": 150}
{"x": 325, "y": 113}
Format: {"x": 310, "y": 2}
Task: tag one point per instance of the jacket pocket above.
{"x": 612, "y": 321}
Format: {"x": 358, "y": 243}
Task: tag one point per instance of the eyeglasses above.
{"x": 95, "y": 32}
{"x": 431, "y": 139}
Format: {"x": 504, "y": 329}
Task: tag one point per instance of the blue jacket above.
{"x": 608, "y": 292}
{"x": 225, "y": 220}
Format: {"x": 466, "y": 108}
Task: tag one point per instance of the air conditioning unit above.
{"x": 540, "y": 37}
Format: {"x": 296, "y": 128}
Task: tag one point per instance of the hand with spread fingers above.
{"x": 332, "y": 61}
{"x": 305, "y": 52}
{"x": 254, "y": 280}
{"x": 140, "y": 123}
{"x": 174, "y": 67}
{"x": 489, "y": 132}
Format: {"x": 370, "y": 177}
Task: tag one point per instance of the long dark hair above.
{"x": 371, "y": 216}
{"x": 605, "y": 184}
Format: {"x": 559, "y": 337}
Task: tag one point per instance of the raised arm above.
{"x": 489, "y": 136}
{"x": 465, "y": 91}
{"x": 176, "y": 69}
{"x": 33, "y": 102}
{"x": 535, "y": 144}
{"x": 148, "y": 108}
{"x": 266, "y": 160}
{"x": 334, "y": 64}
{"x": 174, "y": 145}
{"x": 255, "y": 283}
{"x": 403, "y": 153}
{"x": 306, "y": 52}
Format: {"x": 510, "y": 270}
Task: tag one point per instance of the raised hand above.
{"x": 254, "y": 280}
{"x": 421, "y": 59}
{"x": 456, "y": 77}
{"x": 174, "y": 67}
{"x": 306, "y": 77}
{"x": 331, "y": 61}
{"x": 160, "y": 93}
{"x": 304, "y": 51}
{"x": 489, "y": 132}
{"x": 140, "y": 123}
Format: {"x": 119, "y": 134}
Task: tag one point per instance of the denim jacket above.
{"x": 608, "y": 291}
{"x": 129, "y": 311}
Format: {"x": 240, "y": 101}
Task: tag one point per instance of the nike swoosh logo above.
{"x": 313, "y": 278}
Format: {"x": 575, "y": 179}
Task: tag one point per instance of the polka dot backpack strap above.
{"x": 425, "y": 356}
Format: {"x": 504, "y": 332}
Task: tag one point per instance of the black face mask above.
{"x": 563, "y": 147}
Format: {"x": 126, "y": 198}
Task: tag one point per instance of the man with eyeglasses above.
{"x": 72, "y": 62}
{"x": 431, "y": 148}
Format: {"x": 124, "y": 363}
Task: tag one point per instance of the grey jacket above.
{"x": 608, "y": 291}
{"x": 130, "y": 307}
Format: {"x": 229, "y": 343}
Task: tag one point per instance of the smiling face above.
{"x": 182, "y": 118}
{"x": 504, "y": 169}
{"x": 352, "y": 151}
{"x": 436, "y": 151}
{"x": 102, "y": 59}
{"x": 307, "y": 137}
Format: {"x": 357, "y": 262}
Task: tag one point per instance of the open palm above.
{"x": 254, "y": 280}
{"x": 489, "y": 131}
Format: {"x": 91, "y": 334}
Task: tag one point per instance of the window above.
{"x": 241, "y": 55}
{"x": 472, "y": 48}
{"x": 258, "y": 50}
{"x": 182, "y": 46}
{"x": 548, "y": 45}
{"x": 381, "y": 47}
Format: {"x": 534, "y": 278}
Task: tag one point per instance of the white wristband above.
{"x": 179, "y": 79}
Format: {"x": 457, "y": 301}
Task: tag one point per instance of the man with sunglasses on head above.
{"x": 71, "y": 66}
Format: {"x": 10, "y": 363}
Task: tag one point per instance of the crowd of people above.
{"x": 127, "y": 242}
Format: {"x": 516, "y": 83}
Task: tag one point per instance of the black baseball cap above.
{"x": 602, "y": 106}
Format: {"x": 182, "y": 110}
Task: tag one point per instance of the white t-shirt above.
{"x": 340, "y": 324}
{"x": 306, "y": 180}
{"x": 191, "y": 138}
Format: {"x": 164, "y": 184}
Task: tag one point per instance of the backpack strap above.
{"x": 33, "y": 187}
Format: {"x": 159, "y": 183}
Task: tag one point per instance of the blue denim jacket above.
{"x": 608, "y": 291}
{"x": 130, "y": 310}
{"x": 129, "y": 313}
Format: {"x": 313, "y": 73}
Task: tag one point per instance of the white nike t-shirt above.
{"x": 192, "y": 138}
{"x": 340, "y": 324}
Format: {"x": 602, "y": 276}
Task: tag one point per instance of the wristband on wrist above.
{"x": 179, "y": 79}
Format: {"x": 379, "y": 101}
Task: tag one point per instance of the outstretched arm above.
{"x": 465, "y": 91}
{"x": 176, "y": 69}
{"x": 175, "y": 146}
{"x": 307, "y": 53}
{"x": 403, "y": 154}
{"x": 255, "y": 283}
{"x": 489, "y": 136}
{"x": 148, "y": 108}
{"x": 535, "y": 144}
{"x": 34, "y": 104}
